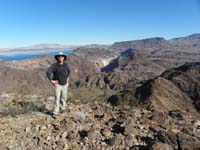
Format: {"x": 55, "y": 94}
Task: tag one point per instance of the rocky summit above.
{"x": 100, "y": 126}
{"x": 89, "y": 126}
{"x": 138, "y": 95}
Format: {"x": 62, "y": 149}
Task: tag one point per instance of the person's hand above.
{"x": 54, "y": 82}
{"x": 67, "y": 82}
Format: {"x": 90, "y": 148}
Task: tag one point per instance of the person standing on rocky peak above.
{"x": 59, "y": 74}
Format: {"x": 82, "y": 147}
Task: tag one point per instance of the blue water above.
{"x": 26, "y": 55}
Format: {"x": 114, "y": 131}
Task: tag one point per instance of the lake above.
{"x": 26, "y": 55}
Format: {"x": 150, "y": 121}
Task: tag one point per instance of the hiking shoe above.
{"x": 54, "y": 116}
{"x": 63, "y": 111}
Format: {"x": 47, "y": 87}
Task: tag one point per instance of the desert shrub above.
{"x": 122, "y": 98}
{"x": 25, "y": 89}
{"x": 86, "y": 94}
{"x": 22, "y": 107}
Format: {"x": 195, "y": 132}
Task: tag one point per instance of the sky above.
{"x": 77, "y": 22}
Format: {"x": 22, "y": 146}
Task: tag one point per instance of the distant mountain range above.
{"x": 96, "y": 46}
{"x": 188, "y": 41}
{"x": 48, "y": 46}
{"x": 40, "y": 47}
{"x": 160, "y": 43}
{"x": 151, "y": 44}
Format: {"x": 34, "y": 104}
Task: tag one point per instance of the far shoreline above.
{"x": 13, "y": 52}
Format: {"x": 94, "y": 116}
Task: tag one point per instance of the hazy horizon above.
{"x": 70, "y": 45}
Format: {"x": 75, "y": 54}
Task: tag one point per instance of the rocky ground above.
{"x": 99, "y": 125}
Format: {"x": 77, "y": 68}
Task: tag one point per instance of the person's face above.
{"x": 61, "y": 58}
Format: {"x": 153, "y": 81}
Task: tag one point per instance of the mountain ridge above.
{"x": 159, "y": 43}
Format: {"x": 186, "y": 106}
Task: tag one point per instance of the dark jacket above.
{"x": 59, "y": 72}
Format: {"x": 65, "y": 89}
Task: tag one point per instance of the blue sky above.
{"x": 29, "y": 22}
